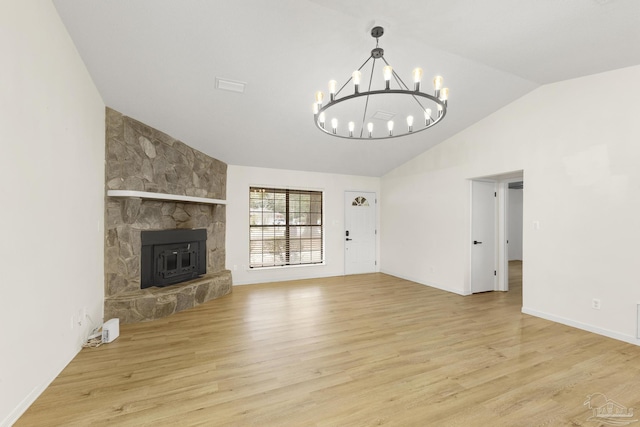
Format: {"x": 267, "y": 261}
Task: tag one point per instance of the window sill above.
{"x": 280, "y": 267}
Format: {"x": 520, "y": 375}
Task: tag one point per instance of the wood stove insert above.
{"x": 172, "y": 256}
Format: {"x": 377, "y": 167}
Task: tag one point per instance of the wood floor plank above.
{"x": 359, "y": 350}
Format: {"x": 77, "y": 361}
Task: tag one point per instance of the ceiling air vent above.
{"x": 383, "y": 115}
{"x": 230, "y": 85}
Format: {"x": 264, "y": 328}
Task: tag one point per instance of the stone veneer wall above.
{"x": 141, "y": 158}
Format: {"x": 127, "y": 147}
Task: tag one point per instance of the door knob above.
{"x": 348, "y": 239}
{"x": 475, "y": 242}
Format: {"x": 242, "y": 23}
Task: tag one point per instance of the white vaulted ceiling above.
{"x": 157, "y": 61}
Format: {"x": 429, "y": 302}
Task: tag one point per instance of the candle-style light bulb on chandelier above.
{"x": 354, "y": 115}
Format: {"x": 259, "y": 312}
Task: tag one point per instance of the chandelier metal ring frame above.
{"x": 439, "y": 98}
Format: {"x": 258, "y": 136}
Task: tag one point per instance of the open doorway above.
{"x": 505, "y": 229}
{"x": 513, "y": 214}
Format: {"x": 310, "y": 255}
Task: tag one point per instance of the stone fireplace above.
{"x": 154, "y": 183}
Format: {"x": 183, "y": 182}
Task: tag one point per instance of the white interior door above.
{"x": 360, "y": 232}
{"x": 483, "y": 236}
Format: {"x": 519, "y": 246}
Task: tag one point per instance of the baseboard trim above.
{"x": 23, "y": 405}
{"x": 33, "y": 395}
{"x": 584, "y": 326}
{"x": 431, "y": 285}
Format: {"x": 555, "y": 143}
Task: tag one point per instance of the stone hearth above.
{"x": 155, "y": 303}
{"x": 140, "y": 158}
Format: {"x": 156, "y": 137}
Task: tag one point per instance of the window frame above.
{"x": 301, "y": 243}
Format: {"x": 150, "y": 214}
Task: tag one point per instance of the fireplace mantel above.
{"x": 163, "y": 196}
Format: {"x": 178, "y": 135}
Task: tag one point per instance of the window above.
{"x": 285, "y": 227}
{"x": 360, "y": 201}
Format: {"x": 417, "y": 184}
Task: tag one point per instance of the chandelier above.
{"x": 370, "y": 113}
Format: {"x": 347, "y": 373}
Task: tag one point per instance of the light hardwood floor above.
{"x": 344, "y": 351}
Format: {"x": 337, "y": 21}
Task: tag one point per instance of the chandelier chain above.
{"x": 366, "y": 105}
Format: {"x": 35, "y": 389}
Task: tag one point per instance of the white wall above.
{"x": 240, "y": 178}
{"x": 514, "y": 224}
{"x": 579, "y": 146}
{"x": 51, "y": 193}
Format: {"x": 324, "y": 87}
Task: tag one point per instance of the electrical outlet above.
{"x": 595, "y": 304}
